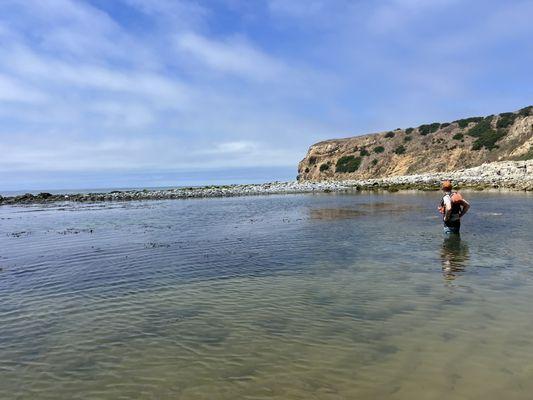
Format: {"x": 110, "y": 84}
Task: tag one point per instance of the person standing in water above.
{"x": 452, "y": 208}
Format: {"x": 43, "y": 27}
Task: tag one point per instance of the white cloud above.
{"x": 129, "y": 153}
{"x": 231, "y": 147}
{"x": 234, "y": 56}
{"x": 390, "y": 16}
{"x": 185, "y": 14}
{"x": 13, "y": 91}
{"x": 33, "y": 66}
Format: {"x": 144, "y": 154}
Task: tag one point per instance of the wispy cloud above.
{"x": 234, "y": 56}
{"x": 13, "y": 91}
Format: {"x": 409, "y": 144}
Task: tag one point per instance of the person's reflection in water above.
{"x": 454, "y": 256}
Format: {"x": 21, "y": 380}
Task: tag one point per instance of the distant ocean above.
{"x": 92, "y": 182}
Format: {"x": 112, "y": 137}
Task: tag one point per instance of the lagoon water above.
{"x": 324, "y": 296}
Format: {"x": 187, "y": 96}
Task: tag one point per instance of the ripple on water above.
{"x": 266, "y": 297}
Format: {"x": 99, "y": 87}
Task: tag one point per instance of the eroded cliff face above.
{"x": 437, "y": 147}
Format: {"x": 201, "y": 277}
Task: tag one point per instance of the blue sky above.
{"x": 128, "y": 93}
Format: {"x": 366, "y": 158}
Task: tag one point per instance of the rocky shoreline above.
{"x": 507, "y": 175}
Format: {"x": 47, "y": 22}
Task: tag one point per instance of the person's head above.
{"x": 447, "y": 186}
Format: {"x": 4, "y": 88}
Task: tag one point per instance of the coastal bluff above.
{"x": 429, "y": 148}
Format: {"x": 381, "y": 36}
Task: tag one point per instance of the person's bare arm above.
{"x": 466, "y": 207}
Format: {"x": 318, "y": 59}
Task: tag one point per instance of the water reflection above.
{"x": 454, "y": 256}
{"x": 335, "y": 213}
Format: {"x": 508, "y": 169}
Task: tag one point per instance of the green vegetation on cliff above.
{"x": 486, "y": 136}
{"x": 428, "y": 128}
{"x": 505, "y": 120}
{"x": 458, "y": 136}
{"x": 348, "y": 164}
{"x": 526, "y": 111}
{"x": 400, "y": 149}
{"x": 463, "y": 123}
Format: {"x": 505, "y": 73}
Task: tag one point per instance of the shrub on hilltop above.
{"x": 428, "y": 128}
{"x": 463, "y": 123}
{"x": 526, "y": 111}
{"x": 389, "y": 134}
{"x": 505, "y": 120}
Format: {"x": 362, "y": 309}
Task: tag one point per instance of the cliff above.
{"x": 436, "y": 147}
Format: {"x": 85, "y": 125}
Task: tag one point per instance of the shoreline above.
{"x": 506, "y": 175}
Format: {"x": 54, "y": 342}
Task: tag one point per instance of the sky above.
{"x": 133, "y": 93}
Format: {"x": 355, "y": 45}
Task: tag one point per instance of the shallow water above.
{"x": 291, "y": 297}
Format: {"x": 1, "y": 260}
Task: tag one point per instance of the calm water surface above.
{"x": 276, "y": 297}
